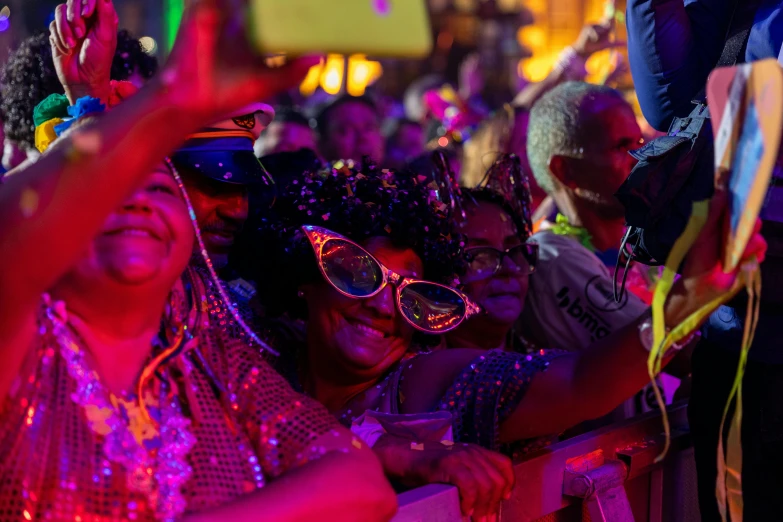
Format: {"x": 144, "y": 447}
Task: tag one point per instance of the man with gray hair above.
{"x": 578, "y": 143}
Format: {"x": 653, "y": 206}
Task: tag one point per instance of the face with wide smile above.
{"x": 361, "y": 338}
{"x": 147, "y": 240}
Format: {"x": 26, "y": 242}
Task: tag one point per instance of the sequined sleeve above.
{"x": 488, "y": 390}
{"x": 286, "y": 426}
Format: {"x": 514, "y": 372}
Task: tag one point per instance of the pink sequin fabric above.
{"x": 228, "y": 424}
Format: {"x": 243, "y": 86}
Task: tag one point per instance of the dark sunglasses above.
{"x": 354, "y": 272}
{"x": 486, "y": 261}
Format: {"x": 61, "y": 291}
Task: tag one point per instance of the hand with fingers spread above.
{"x": 595, "y": 38}
{"x": 213, "y": 71}
{"x": 83, "y": 36}
{"x": 484, "y": 478}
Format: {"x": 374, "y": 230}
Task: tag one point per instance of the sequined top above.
{"x": 488, "y": 391}
{"x": 249, "y": 426}
{"x": 484, "y": 394}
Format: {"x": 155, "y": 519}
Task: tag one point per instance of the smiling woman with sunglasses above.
{"x": 348, "y": 252}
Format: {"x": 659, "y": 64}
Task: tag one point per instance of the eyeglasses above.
{"x": 354, "y": 272}
{"x": 486, "y": 261}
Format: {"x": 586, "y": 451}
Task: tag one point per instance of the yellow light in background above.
{"x": 464, "y": 5}
{"x": 598, "y": 66}
{"x": 537, "y": 68}
{"x": 509, "y": 6}
{"x": 361, "y": 73}
{"x": 532, "y": 36}
{"x": 275, "y": 61}
{"x": 312, "y": 80}
{"x": 332, "y": 74}
{"x": 536, "y": 6}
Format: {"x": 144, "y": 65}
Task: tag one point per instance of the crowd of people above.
{"x": 215, "y": 308}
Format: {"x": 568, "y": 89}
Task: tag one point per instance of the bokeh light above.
{"x": 5, "y": 19}
{"x": 148, "y": 45}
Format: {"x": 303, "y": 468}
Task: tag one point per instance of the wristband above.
{"x": 646, "y": 336}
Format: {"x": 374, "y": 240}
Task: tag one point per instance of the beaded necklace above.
{"x": 159, "y": 473}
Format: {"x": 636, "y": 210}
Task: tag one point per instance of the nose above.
{"x": 382, "y": 303}
{"x": 509, "y": 268}
{"x": 139, "y": 201}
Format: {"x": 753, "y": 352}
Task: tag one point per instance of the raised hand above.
{"x": 213, "y": 71}
{"x": 484, "y": 478}
{"x": 84, "y": 39}
{"x": 619, "y": 68}
{"x": 595, "y": 38}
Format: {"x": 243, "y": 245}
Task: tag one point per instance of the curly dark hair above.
{"x": 29, "y": 77}
{"x": 130, "y": 57}
{"x": 358, "y": 204}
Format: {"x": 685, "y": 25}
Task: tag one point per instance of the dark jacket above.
{"x": 674, "y": 44}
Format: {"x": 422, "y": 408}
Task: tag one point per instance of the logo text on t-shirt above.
{"x": 582, "y": 314}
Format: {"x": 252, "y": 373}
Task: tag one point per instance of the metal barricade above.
{"x": 608, "y": 475}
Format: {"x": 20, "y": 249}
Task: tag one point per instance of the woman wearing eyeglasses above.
{"x": 356, "y": 255}
{"x": 500, "y": 262}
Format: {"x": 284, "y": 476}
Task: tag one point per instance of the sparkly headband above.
{"x": 507, "y": 178}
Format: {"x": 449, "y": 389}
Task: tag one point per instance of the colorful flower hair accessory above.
{"x": 83, "y": 107}
{"x": 55, "y": 115}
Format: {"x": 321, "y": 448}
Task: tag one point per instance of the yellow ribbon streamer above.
{"x": 728, "y": 488}
{"x": 661, "y": 341}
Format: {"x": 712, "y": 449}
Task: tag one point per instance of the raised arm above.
{"x": 50, "y": 211}
{"x": 347, "y": 486}
{"x": 672, "y": 48}
{"x": 592, "y": 383}
{"x": 592, "y": 38}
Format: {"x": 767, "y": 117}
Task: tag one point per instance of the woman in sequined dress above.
{"x": 125, "y": 393}
{"x": 356, "y": 355}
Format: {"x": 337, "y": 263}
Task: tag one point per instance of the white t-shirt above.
{"x": 570, "y": 305}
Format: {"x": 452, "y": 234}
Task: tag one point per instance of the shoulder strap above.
{"x": 736, "y": 42}
{"x": 739, "y": 30}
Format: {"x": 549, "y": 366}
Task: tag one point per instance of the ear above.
{"x": 561, "y": 169}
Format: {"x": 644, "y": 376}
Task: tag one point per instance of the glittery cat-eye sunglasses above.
{"x": 354, "y": 272}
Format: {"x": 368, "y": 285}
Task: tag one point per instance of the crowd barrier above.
{"x": 608, "y": 475}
